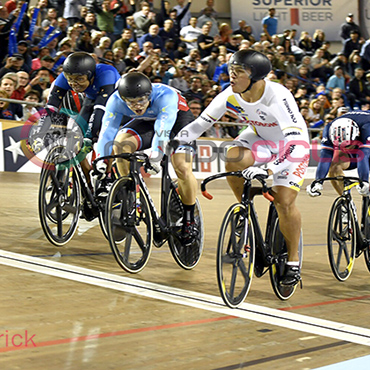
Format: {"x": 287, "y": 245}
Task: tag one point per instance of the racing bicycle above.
{"x": 242, "y": 249}
{"x": 134, "y": 224}
{"x": 347, "y": 237}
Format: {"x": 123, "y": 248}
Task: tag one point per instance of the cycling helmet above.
{"x": 258, "y": 63}
{"x": 134, "y": 85}
{"x": 80, "y": 63}
{"x": 343, "y": 129}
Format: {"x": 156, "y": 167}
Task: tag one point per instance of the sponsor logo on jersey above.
{"x": 262, "y": 124}
{"x": 301, "y": 169}
{"x": 290, "y": 112}
{"x": 261, "y": 114}
{"x": 287, "y": 154}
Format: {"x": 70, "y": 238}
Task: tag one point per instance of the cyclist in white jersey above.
{"x": 276, "y": 135}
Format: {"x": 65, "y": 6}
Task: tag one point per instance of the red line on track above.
{"x": 163, "y": 327}
{"x": 115, "y": 334}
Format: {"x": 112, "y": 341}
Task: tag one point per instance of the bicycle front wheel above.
{"x": 129, "y": 225}
{"x": 59, "y": 203}
{"x": 341, "y": 239}
{"x": 235, "y": 256}
{"x": 279, "y": 253}
{"x": 186, "y": 257}
{"x": 366, "y": 230}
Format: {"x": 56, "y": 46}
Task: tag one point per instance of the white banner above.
{"x": 302, "y": 15}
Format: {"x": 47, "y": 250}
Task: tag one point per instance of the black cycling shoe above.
{"x": 189, "y": 235}
{"x": 88, "y": 212}
{"x": 292, "y": 275}
{"x": 103, "y": 188}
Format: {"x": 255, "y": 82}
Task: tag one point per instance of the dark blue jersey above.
{"x": 360, "y": 153}
{"x": 102, "y": 86}
{"x": 104, "y": 75}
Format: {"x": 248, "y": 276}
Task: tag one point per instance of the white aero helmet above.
{"x": 343, "y": 129}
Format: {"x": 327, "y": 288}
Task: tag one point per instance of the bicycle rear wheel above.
{"x": 235, "y": 256}
{"x": 341, "y": 239}
{"x": 59, "y": 203}
{"x": 280, "y": 257}
{"x": 185, "y": 257}
{"x": 129, "y": 225}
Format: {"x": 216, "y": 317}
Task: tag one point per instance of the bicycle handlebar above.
{"x": 127, "y": 156}
{"x": 338, "y": 178}
{"x": 265, "y": 188}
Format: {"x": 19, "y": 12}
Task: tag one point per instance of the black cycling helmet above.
{"x": 134, "y": 85}
{"x": 80, "y": 63}
{"x": 258, "y": 64}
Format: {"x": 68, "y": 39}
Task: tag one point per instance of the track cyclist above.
{"x": 97, "y": 82}
{"x": 345, "y": 145}
{"x": 141, "y": 115}
{"x": 277, "y": 135}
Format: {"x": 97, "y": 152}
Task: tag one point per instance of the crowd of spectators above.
{"x": 186, "y": 50}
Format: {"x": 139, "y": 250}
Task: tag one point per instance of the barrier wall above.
{"x": 208, "y": 161}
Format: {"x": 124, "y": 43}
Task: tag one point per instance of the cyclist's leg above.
{"x": 135, "y": 135}
{"x": 289, "y": 219}
{"x": 248, "y": 150}
{"x": 187, "y": 184}
{"x": 341, "y": 162}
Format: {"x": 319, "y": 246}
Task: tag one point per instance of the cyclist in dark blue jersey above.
{"x": 97, "y": 82}
{"x": 345, "y": 145}
{"x": 141, "y": 115}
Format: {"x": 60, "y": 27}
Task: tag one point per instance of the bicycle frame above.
{"x": 138, "y": 160}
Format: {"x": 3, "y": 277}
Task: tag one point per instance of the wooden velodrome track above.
{"x": 79, "y": 310}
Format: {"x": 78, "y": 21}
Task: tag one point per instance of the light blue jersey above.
{"x": 165, "y": 102}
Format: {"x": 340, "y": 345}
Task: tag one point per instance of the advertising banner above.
{"x": 302, "y": 15}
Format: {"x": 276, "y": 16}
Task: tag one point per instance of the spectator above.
{"x": 124, "y": 41}
{"x": 357, "y": 93}
{"x": 347, "y": 27}
{"x": 118, "y": 55}
{"x": 162, "y": 66}
{"x": 40, "y": 80}
{"x": 23, "y": 49}
{"x": 130, "y": 58}
{"x": 9, "y": 83}
{"x": 72, "y": 10}
{"x": 321, "y": 67}
{"x": 120, "y": 18}
{"x": 336, "y": 80}
{"x": 190, "y": 33}
{"x": 213, "y": 62}
{"x": 207, "y": 18}
{"x": 270, "y": 24}
{"x": 152, "y": 36}
{"x": 23, "y": 80}
{"x": 351, "y": 44}
{"x": 36, "y": 62}
{"x": 13, "y": 64}
{"x": 104, "y": 44}
{"x": 196, "y": 107}
{"x": 84, "y": 43}
{"x": 90, "y": 22}
{"x": 184, "y": 11}
{"x": 318, "y": 39}
{"x": 30, "y": 109}
{"x": 209, "y": 8}
{"x": 245, "y": 30}
{"x": 194, "y": 91}
{"x": 205, "y": 41}
{"x": 180, "y": 82}
{"x": 143, "y": 20}
{"x": 180, "y": 52}
{"x": 365, "y": 55}
{"x": 105, "y": 16}
{"x": 167, "y": 31}
{"x": 305, "y": 43}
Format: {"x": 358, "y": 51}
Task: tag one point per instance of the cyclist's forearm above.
{"x": 363, "y": 165}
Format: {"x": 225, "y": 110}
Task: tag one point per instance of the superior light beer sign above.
{"x": 302, "y": 15}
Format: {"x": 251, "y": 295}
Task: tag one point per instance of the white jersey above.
{"x": 274, "y": 119}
